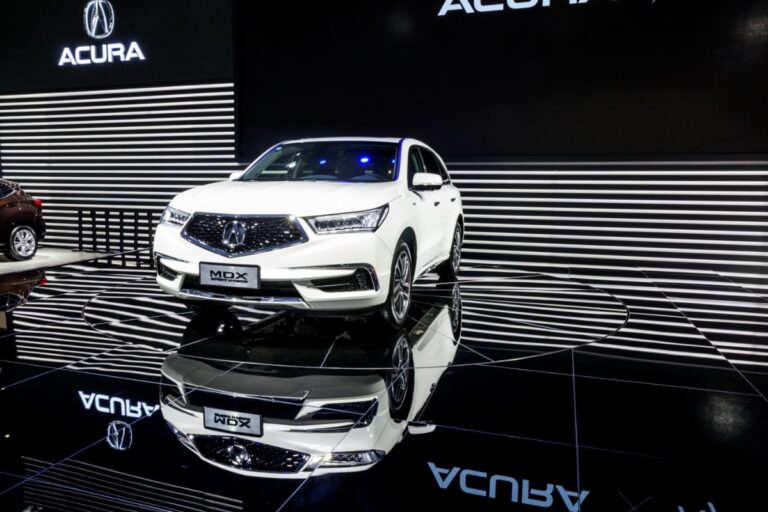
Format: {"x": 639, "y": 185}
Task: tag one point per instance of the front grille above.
{"x": 279, "y": 409}
{"x": 250, "y": 455}
{"x": 260, "y": 233}
{"x": 266, "y": 289}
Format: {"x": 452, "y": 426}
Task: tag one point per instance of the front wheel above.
{"x": 395, "y": 309}
{"x": 449, "y": 269}
{"x": 22, "y": 244}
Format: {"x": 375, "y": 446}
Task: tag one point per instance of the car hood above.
{"x": 285, "y": 197}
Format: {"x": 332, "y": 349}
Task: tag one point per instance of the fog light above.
{"x": 351, "y": 459}
{"x": 363, "y": 280}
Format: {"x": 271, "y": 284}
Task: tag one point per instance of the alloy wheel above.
{"x": 456, "y": 309}
{"x": 400, "y": 381}
{"x": 401, "y": 291}
{"x": 456, "y": 252}
{"x": 24, "y": 242}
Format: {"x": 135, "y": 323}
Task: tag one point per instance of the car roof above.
{"x": 391, "y": 140}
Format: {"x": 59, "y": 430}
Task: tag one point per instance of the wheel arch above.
{"x": 409, "y": 237}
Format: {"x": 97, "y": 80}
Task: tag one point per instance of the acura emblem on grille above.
{"x": 234, "y": 234}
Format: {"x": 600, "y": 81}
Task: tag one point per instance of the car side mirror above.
{"x": 421, "y": 428}
{"x": 427, "y": 181}
{"x": 236, "y": 175}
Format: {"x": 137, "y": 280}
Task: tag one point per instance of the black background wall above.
{"x": 183, "y": 40}
{"x": 121, "y": 138}
{"x": 607, "y": 134}
{"x": 616, "y": 142}
{"x": 606, "y": 77}
{"x": 585, "y": 138}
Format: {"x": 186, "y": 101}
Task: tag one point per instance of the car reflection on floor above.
{"x": 294, "y": 397}
{"x": 16, "y": 288}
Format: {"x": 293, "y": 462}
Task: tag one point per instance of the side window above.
{"x": 414, "y": 164}
{"x": 433, "y": 165}
{"x": 443, "y": 171}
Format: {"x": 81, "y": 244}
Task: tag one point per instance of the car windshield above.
{"x": 356, "y": 161}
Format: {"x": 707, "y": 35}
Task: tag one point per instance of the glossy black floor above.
{"x": 623, "y": 391}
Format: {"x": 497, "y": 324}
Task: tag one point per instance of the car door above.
{"x": 443, "y": 200}
{"x": 422, "y": 205}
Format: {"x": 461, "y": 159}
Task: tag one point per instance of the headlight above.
{"x": 174, "y": 216}
{"x": 368, "y": 220}
{"x": 351, "y": 459}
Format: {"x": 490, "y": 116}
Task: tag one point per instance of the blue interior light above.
{"x": 323, "y": 161}
{"x": 364, "y": 159}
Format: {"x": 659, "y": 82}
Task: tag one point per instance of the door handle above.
{"x": 437, "y": 203}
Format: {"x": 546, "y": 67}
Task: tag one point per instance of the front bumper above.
{"x": 297, "y": 272}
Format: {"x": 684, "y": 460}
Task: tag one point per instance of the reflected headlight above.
{"x": 351, "y": 459}
{"x": 174, "y": 216}
{"x": 368, "y": 220}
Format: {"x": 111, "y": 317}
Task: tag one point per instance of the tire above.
{"x": 395, "y": 309}
{"x": 22, "y": 244}
{"x": 449, "y": 269}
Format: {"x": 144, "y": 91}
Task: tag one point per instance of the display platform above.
{"x": 624, "y": 391}
{"x": 46, "y": 257}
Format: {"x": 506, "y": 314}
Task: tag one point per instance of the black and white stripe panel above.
{"x": 682, "y": 243}
{"x": 50, "y": 328}
{"x": 123, "y": 149}
{"x": 77, "y": 485}
{"x": 665, "y": 216}
{"x": 97, "y": 320}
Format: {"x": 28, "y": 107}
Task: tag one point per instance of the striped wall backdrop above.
{"x": 135, "y": 148}
{"x": 682, "y": 243}
{"x": 124, "y": 149}
{"x": 683, "y": 237}
{"x": 669, "y": 217}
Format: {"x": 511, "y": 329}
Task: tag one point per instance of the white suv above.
{"x": 337, "y": 224}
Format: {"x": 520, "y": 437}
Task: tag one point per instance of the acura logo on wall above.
{"x": 99, "y": 19}
{"x": 234, "y": 234}
{"x": 473, "y": 6}
{"x": 119, "y": 436}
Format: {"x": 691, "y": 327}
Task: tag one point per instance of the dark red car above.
{"x": 15, "y": 289}
{"x": 21, "y": 222}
